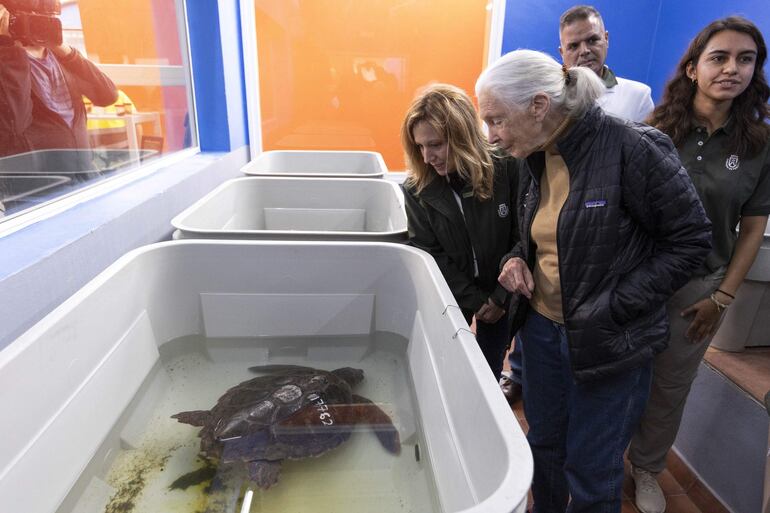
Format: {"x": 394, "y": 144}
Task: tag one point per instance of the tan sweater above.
{"x": 554, "y": 188}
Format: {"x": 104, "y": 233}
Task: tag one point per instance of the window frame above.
{"x": 17, "y": 221}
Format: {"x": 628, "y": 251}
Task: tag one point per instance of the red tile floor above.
{"x": 684, "y": 492}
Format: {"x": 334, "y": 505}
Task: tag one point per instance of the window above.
{"x": 339, "y": 75}
{"x": 82, "y": 130}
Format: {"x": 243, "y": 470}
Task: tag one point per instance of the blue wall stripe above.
{"x": 220, "y": 128}
{"x": 535, "y": 24}
{"x": 647, "y": 37}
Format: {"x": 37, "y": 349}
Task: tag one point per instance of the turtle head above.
{"x": 349, "y": 375}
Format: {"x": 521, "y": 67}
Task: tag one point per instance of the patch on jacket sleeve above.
{"x": 502, "y": 210}
{"x": 596, "y": 203}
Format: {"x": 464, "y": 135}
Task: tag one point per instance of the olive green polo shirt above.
{"x": 729, "y": 185}
{"x": 608, "y": 77}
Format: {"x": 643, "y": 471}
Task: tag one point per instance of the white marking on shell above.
{"x": 261, "y": 410}
{"x": 288, "y": 393}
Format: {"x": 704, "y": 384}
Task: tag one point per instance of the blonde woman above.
{"x": 461, "y": 208}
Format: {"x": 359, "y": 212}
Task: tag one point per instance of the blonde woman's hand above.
{"x": 516, "y": 277}
{"x": 489, "y": 312}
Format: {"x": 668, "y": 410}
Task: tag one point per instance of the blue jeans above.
{"x": 577, "y": 431}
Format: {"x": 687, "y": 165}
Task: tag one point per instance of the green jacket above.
{"x": 488, "y": 228}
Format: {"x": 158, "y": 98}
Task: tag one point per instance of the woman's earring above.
{"x": 694, "y": 81}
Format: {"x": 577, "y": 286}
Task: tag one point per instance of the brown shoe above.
{"x": 511, "y": 389}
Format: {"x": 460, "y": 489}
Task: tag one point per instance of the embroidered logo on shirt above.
{"x": 596, "y": 204}
{"x": 732, "y": 163}
{"x": 502, "y": 210}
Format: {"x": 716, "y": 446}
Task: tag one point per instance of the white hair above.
{"x": 516, "y": 77}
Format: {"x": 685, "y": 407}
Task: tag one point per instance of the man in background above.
{"x": 584, "y": 42}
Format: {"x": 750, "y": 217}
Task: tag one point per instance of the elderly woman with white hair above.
{"x": 610, "y": 226}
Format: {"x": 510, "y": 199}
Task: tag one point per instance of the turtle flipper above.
{"x": 281, "y": 368}
{"x": 370, "y": 414}
{"x": 264, "y": 473}
{"x": 194, "y": 417}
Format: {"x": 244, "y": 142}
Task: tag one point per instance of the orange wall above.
{"x": 121, "y": 39}
{"x": 336, "y": 74}
{"x": 138, "y": 32}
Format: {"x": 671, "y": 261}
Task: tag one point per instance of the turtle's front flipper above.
{"x": 369, "y": 413}
{"x": 264, "y": 472}
{"x": 281, "y": 368}
{"x": 195, "y": 417}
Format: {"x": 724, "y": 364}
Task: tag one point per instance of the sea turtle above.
{"x": 292, "y": 412}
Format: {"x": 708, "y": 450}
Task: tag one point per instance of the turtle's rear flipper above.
{"x": 382, "y": 425}
{"x": 264, "y": 473}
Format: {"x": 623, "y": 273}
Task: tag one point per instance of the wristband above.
{"x": 721, "y": 307}
{"x": 6, "y": 40}
{"x": 725, "y": 293}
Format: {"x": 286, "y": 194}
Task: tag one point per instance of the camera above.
{"x": 35, "y": 22}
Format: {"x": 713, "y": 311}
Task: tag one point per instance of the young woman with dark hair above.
{"x": 715, "y": 110}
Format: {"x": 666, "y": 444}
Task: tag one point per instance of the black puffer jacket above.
{"x": 489, "y": 228}
{"x": 631, "y": 232}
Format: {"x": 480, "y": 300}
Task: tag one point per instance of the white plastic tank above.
{"x": 281, "y": 208}
{"x": 330, "y": 164}
{"x": 87, "y": 393}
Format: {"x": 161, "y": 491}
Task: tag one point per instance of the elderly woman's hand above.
{"x": 517, "y": 278}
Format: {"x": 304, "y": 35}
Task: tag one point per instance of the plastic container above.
{"x": 329, "y": 164}
{"x": 297, "y": 209}
{"x": 78, "y": 164}
{"x": 18, "y": 192}
{"x": 67, "y": 381}
{"x": 20, "y": 187}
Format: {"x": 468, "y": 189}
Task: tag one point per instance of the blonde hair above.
{"x": 450, "y": 112}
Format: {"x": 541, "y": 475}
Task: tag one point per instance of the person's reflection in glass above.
{"x": 41, "y": 106}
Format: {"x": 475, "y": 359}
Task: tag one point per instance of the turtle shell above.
{"x": 292, "y": 412}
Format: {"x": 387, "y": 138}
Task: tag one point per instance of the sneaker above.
{"x": 511, "y": 389}
{"x": 649, "y": 497}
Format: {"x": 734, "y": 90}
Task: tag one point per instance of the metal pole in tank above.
{"x": 246, "y": 506}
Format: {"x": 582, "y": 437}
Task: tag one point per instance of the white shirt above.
{"x": 628, "y": 100}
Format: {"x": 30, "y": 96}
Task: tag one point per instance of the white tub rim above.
{"x": 516, "y": 481}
